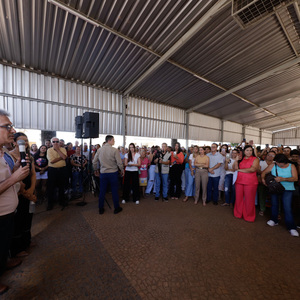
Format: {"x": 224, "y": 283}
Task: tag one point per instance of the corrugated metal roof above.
{"x": 133, "y": 35}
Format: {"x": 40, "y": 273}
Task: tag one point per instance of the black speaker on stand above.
{"x": 87, "y": 127}
{"x": 90, "y": 125}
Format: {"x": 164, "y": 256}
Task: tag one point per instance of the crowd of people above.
{"x": 234, "y": 176}
{"x": 220, "y": 174}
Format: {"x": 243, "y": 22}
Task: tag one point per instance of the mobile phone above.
{"x": 279, "y": 145}
{"x": 227, "y": 155}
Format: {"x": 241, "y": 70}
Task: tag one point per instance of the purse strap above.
{"x": 276, "y": 170}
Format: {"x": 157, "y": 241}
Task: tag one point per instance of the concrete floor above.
{"x": 155, "y": 250}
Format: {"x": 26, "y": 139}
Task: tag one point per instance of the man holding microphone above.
{"x": 10, "y": 174}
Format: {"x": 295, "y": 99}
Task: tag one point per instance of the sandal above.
{"x": 225, "y": 204}
{"x": 261, "y": 213}
{"x": 185, "y": 199}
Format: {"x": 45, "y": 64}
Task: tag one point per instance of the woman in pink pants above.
{"x": 246, "y": 185}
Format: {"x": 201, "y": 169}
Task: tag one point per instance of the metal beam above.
{"x": 282, "y": 115}
{"x": 262, "y": 76}
{"x": 264, "y": 105}
{"x": 95, "y": 23}
{"x": 286, "y": 33}
{"x": 183, "y": 40}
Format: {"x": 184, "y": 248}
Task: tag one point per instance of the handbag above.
{"x": 274, "y": 187}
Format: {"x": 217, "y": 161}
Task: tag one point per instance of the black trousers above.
{"x": 175, "y": 180}
{"x": 131, "y": 180}
{"x": 57, "y": 178}
{"x": 22, "y": 227}
{"x": 6, "y": 233}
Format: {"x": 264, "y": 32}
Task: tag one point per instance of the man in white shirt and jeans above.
{"x": 216, "y": 159}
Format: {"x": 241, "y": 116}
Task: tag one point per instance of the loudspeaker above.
{"x": 90, "y": 125}
{"x": 78, "y": 127}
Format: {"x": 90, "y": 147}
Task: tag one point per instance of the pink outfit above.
{"x": 144, "y": 168}
{"x": 245, "y": 191}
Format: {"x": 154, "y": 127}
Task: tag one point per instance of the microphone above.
{"x": 22, "y": 151}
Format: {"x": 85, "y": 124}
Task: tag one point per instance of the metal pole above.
{"x": 222, "y": 131}
{"x": 187, "y": 129}
{"x": 124, "y": 123}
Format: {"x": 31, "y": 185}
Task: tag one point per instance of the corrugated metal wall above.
{"x": 289, "y": 137}
{"x": 146, "y": 118}
{"x": 252, "y": 133}
{"x": 232, "y": 132}
{"x": 42, "y": 102}
{"x": 202, "y": 127}
{"x": 266, "y": 137}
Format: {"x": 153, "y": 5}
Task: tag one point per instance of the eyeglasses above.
{"x": 7, "y": 127}
{"x": 55, "y": 142}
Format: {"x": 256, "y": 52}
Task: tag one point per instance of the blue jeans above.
{"x": 229, "y": 189}
{"x": 213, "y": 189}
{"x": 76, "y": 178}
{"x": 112, "y": 179}
{"x": 164, "y": 178}
{"x": 189, "y": 183}
{"x": 287, "y": 198}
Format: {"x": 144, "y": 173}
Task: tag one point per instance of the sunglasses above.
{"x": 55, "y": 142}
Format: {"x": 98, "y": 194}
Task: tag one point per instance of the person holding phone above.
{"x": 229, "y": 186}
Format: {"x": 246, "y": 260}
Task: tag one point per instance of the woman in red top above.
{"x": 176, "y": 169}
{"x": 246, "y": 185}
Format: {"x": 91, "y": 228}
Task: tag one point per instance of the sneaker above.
{"x": 272, "y": 223}
{"x": 294, "y": 232}
{"x": 298, "y": 226}
{"x": 101, "y": 211}
{"x": 118, "y": 209}
{"x": 137, "y": 202}
{"x": 123, "y": 201}
{"x": 165, "y": 199}
{"x": 156, "y": 198}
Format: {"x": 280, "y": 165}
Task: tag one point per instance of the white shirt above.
{"x": 215, "y": 159}
{"x": 192, "y": 159}
{"x": 263, "y": 165}
{"x": 135, "y": 161}
{"x": 230, "y": 165}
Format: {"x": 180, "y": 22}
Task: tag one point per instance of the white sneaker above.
{"x": 294, "y": 232}
{"x": 137, "y": 202}
{"x": 272, "y": 223}
{"x": 123, "y": 201}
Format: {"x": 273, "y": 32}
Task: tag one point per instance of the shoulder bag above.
{"x": 274, "y": 187}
